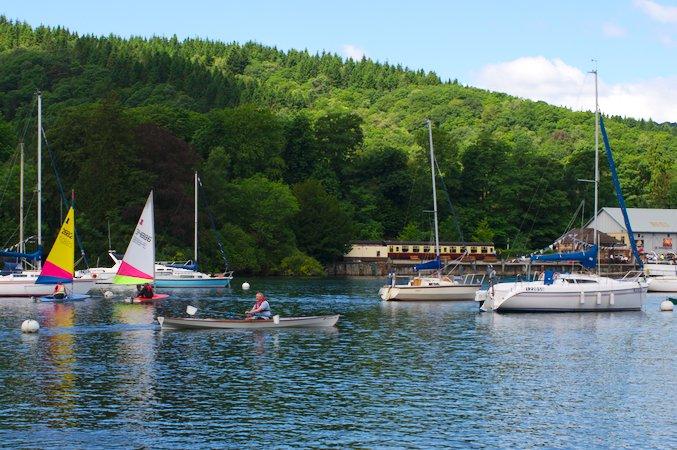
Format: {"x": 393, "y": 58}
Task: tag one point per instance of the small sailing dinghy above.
{"x": 138, "y": 264}
{"x": 190, "y": 323}
{"x": 59, "y": 267}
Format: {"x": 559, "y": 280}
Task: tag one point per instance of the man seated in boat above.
{"x": 261, "y": 309}
{"x": 59, "y": 291}
{"x": 146, "y": 291}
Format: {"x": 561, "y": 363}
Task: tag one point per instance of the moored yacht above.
{"x": 663, "y": 283}
{"x": 434, "y": 287}
{"x": 22, "y": 282}
{"x": 575, "y": 292}
{"x": 566, "y": 293}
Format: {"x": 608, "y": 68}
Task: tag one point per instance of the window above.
{"x": 426, "y": 249}
{"x": 397, "y": 249}
{"x": 415, "y": 249}
{"x": 491, "y": 250}
{"x": 378, "y": 253}
{"x": 484, "y": 249}
{"x": 405, "y": 249}
{"x": 473, "y": 249}
{"x": 390, "y": 249}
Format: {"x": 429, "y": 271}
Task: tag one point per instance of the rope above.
{"x": 451, "y": 206}
{"x": 25, "y": 215}
{"x": 524, "y": 217}
{"x": 62, "y": 193}
{"x": 9, "y": 176}
{"x": 219, "y": 239}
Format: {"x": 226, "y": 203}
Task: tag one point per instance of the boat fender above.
{"x": 666, "y": 305}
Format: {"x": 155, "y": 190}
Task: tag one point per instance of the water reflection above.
{"x": 416, "y": 375}
{"x": 61, "y": 386}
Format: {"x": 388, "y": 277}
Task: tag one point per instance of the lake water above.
{"x": 101, "y": 374}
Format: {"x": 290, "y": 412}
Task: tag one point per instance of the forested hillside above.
{"x": 298, "y": 153}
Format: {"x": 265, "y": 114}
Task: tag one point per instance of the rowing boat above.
{"x": 283, "y": 322}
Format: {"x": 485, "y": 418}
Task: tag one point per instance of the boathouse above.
{"x": 655, "y": 229}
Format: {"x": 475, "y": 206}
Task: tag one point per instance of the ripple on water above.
{"x": 100, "y": 373}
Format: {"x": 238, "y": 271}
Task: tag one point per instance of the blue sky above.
{"x": 529, "y": 48}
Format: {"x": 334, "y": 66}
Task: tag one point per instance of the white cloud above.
{"x": 555, "y": 82}
{"x": 612, "y": 30}
{"x": 658, "y": 12}
{"x": 352, "y": 52}
{"x": 667, "y": 40}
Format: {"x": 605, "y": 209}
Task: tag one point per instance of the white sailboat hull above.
{"x": 659, "y": 270}
{"x": 24, "y": 286}
{"x": 429, "y": 290}
{"x": 597, "y": 294}
{"x": 663, "y": 284}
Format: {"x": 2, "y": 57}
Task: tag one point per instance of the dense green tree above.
{"x": 301, "y": 152}
{"x": 252, "y": 137}
{"x": 264, "y": 209}
{"x": 122, "y": 116}
{"x": 322, "y": 226}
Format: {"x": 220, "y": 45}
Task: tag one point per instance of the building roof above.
{"x": 586, "y": 235}
{"x": 646, "y": 220}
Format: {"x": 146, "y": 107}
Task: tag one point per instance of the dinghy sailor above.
{"x": 59, "y": 291}
{"x": 146, "y": 291}
{"x": 261, "y": 309}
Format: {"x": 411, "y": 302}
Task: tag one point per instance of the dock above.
{"x": 503, "y": 268}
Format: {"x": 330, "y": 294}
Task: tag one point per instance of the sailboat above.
{"x": 60, "y": 262}
{"x": 186, "y": 275}
{"x": 22, "y": 282}
{"x": 138, "y": 264}
{"x": 435, "y": 287}
{"x": 575, "y": 292}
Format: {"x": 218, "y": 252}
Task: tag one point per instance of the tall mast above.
{"x": 39, "y": 175}
{"x": 195, "y": 240}
{"x": 110, "y": 246}
{"x": 596, "y": 167}
{"x": 21, "y": 199}
{"x": 432, "y": 173}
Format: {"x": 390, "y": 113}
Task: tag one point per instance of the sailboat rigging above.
{"x": 435, "y": 286}
{"x": 575, "y": 292}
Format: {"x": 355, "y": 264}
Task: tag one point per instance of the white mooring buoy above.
{"x": 666, "y": 305}
{"x": 108, "y": 294}
{"x": 30, "y": 326}
{"x": 245, "y": 286}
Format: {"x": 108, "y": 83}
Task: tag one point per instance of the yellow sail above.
{"x": 61, "y": 260}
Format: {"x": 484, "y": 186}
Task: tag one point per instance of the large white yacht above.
{"x": 566, "y": 293}
{"x": 575, "y": 292}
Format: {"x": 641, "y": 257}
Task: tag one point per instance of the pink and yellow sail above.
{"x": 61, "y": 259}
{"x": 138, "y": 264}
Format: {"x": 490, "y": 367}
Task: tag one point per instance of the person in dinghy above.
{"x": 261, "y": 309}
{"x": 144, "y": 292}
{"x": 59, "y": 291}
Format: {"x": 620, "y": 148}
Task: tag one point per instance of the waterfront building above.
{"x": 654, "y": 229}
{"x": 414, "y": 251}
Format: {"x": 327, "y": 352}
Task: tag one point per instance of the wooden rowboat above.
{"x": 283, "y": 322}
